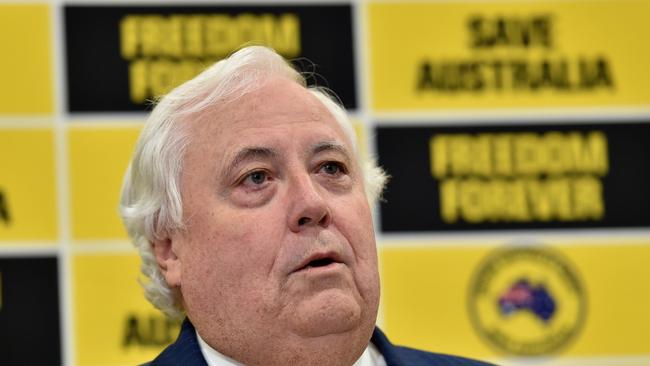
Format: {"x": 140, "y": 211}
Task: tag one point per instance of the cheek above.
{"x": 355, "y": 223}
{"x": 234, "y": 245}
{"x": 359, "y": 222}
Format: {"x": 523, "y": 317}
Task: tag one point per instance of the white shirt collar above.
{"x": 369, "y": 357}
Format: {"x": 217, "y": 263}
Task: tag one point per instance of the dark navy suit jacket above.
{"x": 185, "y": 351}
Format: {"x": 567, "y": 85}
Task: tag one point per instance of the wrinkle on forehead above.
{"x": 278, "y": 102}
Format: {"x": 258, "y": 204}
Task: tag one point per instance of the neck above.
{"x": 341, "y": 349}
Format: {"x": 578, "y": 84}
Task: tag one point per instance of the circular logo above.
{"x": 526, "y": 301}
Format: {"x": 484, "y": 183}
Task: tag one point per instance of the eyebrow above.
{"x": 247, "y": 154}
{"x": 264, "y": 153}
{"x": 330, "y": 146}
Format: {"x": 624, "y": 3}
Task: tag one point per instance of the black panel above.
{"x": 29, "y": 312}
{"x": 98, "y": 76}
{"x": 413, "y": 201}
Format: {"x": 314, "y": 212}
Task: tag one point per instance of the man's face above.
{"x": 279, "y": 244}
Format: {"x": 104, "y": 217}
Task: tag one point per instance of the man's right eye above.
{"x": 256, "y": 178}
{"x": 254, "y": 188}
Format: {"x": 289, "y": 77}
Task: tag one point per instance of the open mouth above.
{"x": 319, "y": 261}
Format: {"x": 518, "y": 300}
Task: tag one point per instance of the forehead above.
{"x": 277, "y": 97}
{"x": 274, "y": 112}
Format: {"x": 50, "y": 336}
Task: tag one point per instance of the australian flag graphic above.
{"x": 522, "y": 296}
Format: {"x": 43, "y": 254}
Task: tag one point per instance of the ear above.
{"x": 168, "y": 262}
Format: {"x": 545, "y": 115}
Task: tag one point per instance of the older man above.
{"x": 249, "y": 204}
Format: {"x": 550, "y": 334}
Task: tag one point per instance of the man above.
{"x": 249, "y": 204}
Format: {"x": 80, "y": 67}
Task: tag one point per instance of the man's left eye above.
{"x": 332, "y": 168}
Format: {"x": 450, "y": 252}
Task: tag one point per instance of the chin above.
{"x": 329, "y": 312}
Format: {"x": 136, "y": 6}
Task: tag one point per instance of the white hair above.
{"x": 151, "y": 194}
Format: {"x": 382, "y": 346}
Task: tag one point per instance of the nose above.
{"x": 309, "y": 206}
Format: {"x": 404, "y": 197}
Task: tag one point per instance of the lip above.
{"x": 333, "y": 256}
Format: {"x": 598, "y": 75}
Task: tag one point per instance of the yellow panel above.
{"x": 596, "y": 51}
{"x": 114, "y": 324}
{"x": 98, "y": 159}
{"x": 25, "y": 65}
{"x": 362, "y": 137}
{"x": 423, "y": 298}
{"x": 427, "y": 296}
{"x": 27, "y": 185}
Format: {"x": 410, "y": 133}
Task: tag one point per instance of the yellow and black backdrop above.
{"x": 516, "y": 224}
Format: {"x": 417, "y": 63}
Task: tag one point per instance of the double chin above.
{"x": 328, "y": 312}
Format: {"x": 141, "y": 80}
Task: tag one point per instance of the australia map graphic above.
{"x": 523, "y": 296}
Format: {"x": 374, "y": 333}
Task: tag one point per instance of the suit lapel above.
{"x": 184, "y": 351}
{"x": 387, "y": 349}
